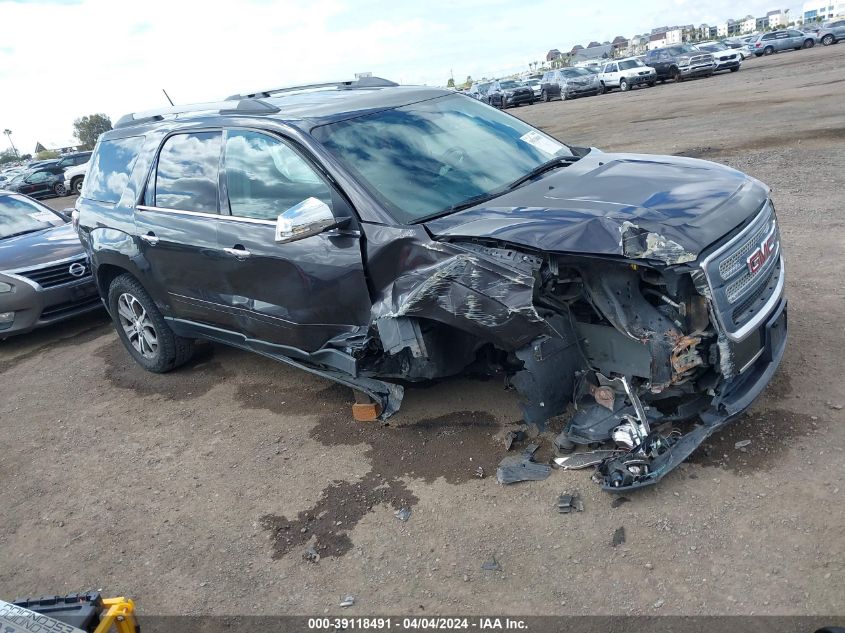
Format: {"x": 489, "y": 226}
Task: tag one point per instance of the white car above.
{"x": 626, "y": 73}
{"x": 536, "y": 86}
{"x": 74, "y": 176}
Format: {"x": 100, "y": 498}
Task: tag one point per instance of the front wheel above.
{"x": 734, "y": 69}
{"x": 623, "y": 85}
{"x": 651, "y": 84}
{"x": 602, "y": 88}
{"x": 142, "y": 328}
{"x": 677, "y": 76}
{"x": 809, "y": 43}
{"x": 828, "y": 39}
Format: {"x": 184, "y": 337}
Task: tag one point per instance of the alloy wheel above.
{"x": 137, "y": 326}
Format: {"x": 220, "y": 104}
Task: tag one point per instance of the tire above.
{"x": 623, "y": 85}
{"x": 769, "y": 50}
{"x": 531, "y": 102}
{"x": 602, "y": 88}
{"x": 544, "y": 96}
{"x": 134, "y": 314}
{"x": 76, "y": 185}
{"x": 734, "y": 69}
{"x": 758, "y": 54}
{"x": 828, "y": 39}
{"x": 59, "y": 189}
{"x": 676, "y": 75}
{"x": 809, "y": 44}
{"x": 651, "y": 84}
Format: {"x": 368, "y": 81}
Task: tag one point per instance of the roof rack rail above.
{"x": 352, "y": 84}
{"x": 244, "y": 106}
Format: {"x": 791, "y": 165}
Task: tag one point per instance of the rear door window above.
{"x": 110, "y": 168}
{"x": 188, "y": 171}
{"x": 265, "y": 176}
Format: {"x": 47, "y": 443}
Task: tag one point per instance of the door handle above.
{"x": 239, "y": 253}
{"x": 150, "y": 238}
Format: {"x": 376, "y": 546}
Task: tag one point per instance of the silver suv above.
{"x": 832, "y": 32}
{"x": 776, "y": 41}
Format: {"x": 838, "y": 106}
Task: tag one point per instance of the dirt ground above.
{"x": 199, "y": 491}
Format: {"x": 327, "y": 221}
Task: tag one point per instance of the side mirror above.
{"x": 309, "y": 217}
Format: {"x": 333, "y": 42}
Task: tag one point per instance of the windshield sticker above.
{"x": 541, "y": 142}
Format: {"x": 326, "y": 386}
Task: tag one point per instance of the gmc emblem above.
{"x": 762, "y": 253}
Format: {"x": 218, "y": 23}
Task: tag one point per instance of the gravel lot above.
{"x": 199, "y": 491}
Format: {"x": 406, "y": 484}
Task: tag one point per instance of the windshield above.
{"x": 680, "y": 50}
{"x": 630, "y": 63}
{"x": 571, "y": 72}
{"x": 531, "y": 82}
{"x": 508, "y": 84}
{"x": 19, "y": 215}
{"x": 422, "y": 159}
{"x": 714, "y": 47}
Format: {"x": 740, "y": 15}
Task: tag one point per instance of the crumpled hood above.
{"x": 665, "y": 208}
{"x": 41, "y": 247}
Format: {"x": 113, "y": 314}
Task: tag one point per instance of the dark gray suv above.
{"x": 373, "y": 233}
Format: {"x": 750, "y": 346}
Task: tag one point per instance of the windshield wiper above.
{"x": 554, "y": 163}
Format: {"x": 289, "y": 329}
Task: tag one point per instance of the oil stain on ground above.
{"x": 452, "y": 446}
{"x": 770, "y": 433}
{"x": 196, "y": 378}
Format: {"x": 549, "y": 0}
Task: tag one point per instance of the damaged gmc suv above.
{"x": 369, "y": 232}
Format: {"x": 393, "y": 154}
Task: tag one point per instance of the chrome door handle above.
{"x": 150, "y": 239}
{"x": 239, "y": 253}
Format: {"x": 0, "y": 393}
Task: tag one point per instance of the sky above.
{"x": 62, "y": 59}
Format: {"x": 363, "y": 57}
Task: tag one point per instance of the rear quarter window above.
{"x": 111, "y": 165}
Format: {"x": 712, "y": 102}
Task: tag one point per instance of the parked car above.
{"x": 738, "y": 45}
{"x": 832, "y": 32}
{"x": 74, "y": 177}
{"x": 568, "y": 83}
{"x": 783, "y": 40}
{"x": 74, "y": 159}
{"x": 680, "y": 62}
{"x": 44, "y": 273}
{"x": 41, "y": 182}
{"x": 369, "y": 232}
{"x": 536, "y": 87}
{"x": 480, "y": 91}
{"x": 509, "y": 93}
{"x": 724, "y": 57}
{"x": 626, "y": 74}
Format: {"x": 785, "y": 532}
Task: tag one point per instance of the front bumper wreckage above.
{"x": 656, "y": 347}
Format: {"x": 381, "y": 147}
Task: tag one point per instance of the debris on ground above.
{"x": 742, "y": 444}
{"x": 659, "y": 603}
{"x": 403, "y": 514}
{"x": 348, "y": 601}
{"x": 514, "y": 468}
{"x": 619, "y": 536}
{"x": 512, "y": 437}
{"x": 567, "y": 503}
{"x": 311, "y": 555}
{"x": 618, "y": 501}
{"x": 577, "y": 461}
{"x": 479, "y": 472}
{"x": 834, "y": 406}
{"x": 491, "y": 565}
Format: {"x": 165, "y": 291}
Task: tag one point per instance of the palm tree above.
{"x": 8, "y": 134}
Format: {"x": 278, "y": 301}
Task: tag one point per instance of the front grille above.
{"x": 739, "y": 295}
{"x": 62, "y": 309}
{"x": 58, "y": 274}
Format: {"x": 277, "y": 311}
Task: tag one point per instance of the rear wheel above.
{"x": 828, "y": 39}
{"x": 809, "y": 43}
{"x": 544, "y": 96}
{"x": 59, "y": 189}
{"x": 142, "y": 328}
{"x": 76, "y": 185}
{"x": 769, "y": 50}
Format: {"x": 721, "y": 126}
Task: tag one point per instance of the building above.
{"x": 60, "y": 147}
{"x": 821, "y": 10}
{"x": 729, "y": 28}
{"x": 777, "y": 19}
{"x": 553, "y": 55}
{"x": 599, "y": 51}
{"x": 749, "y": 24}
{"x": 638, "y": 45}
{"x": 656, "y": 40}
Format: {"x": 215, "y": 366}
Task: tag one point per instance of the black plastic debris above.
{"x": 619, "y": 536}
{"x": 514, "y": 468}
{"x": 567, "y": 503}
{"x": 513, "y": 437}
{"x": 491, "y": 565}
{"x": 618, "y": 501}
{"x": 403, "y": 514}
